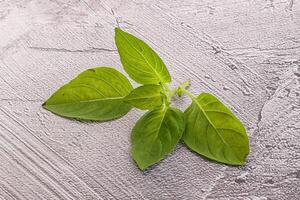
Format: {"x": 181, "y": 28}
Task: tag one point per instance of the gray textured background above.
{"x": 246, "y": 52}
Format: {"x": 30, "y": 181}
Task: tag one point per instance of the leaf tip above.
{"x": 140, "y": 164}
{"x": 44, "y": 104}
{"x": 142, "y": 167}
{"x": 117, "y": 29}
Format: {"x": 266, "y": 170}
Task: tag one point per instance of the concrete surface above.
{"x": 246, "y": 52}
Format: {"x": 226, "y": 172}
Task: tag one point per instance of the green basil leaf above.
{"x": 141, "y": 63}
{"x": 95, "y": 94}
{"x": 213, "y": 131}
{"x": 155, "y": 135}
{"x": 146, "y": 97}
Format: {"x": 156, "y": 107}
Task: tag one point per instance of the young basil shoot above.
{"x": 207, "y": 126}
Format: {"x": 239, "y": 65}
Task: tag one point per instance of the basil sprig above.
{"x": 207, "y": 126}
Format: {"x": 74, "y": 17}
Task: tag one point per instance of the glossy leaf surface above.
{"x": 213, "y": 131}
{"x": 95, "y": 94}
{"x": 155, "y": 135}
{"x": 141, "y": 63}
{"x": 146, "y": 97}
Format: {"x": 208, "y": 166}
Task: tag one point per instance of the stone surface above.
{"x": 245, "y": 52}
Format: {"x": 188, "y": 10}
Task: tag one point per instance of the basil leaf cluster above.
{"x": 207, "y": 126}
